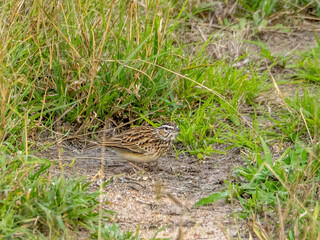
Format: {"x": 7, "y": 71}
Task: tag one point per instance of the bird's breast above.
{"x": 137, "y": 157}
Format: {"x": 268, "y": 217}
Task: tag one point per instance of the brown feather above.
{"x": 140, "y": 144}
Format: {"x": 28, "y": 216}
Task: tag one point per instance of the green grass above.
{"x": 35, "y": 203}
{"x": 285, "y": 189}
{"x": 308, "y": 64}
{"x": 91, "y": 62}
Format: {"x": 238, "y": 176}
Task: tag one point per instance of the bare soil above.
{"x": 163, "y": 194}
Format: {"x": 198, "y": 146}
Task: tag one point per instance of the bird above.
{"x": 143, "y": 144}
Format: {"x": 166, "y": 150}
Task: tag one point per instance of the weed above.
{"x": 308, "y": 64}
{"x": 284, "y": 189}
{"x": 33, "y": 202}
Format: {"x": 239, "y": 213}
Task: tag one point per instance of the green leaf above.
{"x": 213, "y": 198}
{"x": 61, "y": 223}
{"x": 267, "y": 153}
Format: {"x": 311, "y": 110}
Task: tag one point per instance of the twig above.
{"x": 278, "y": 90}
{"x": 305, "y": 123}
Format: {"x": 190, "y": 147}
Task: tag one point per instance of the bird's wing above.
{"x": 132, "y": 140}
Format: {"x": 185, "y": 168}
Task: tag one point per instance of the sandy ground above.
{"x": 163, "y": 194}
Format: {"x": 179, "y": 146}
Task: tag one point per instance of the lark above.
{"x": 143, "y": 144}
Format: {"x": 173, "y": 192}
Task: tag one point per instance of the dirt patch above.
{"x": 132, "y": 193}
{"x": 225, "y": 43}
{"x": 287, "y": 43}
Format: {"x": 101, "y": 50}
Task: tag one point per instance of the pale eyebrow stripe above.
{"x": 167, "y": 126}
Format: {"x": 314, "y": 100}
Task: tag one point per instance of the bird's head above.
{"x": 168, "y": 131}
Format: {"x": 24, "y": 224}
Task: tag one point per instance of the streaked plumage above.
{"x": 143, "y": 144}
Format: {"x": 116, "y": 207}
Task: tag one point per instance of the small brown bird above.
{"x": 143, "y": 144}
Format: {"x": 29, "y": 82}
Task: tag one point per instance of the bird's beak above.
{"x": 178, "y": 129}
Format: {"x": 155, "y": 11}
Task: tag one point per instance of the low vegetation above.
{"x": 92, "y": 63}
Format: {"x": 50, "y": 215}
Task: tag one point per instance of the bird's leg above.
{"x": 135, "y": 166}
